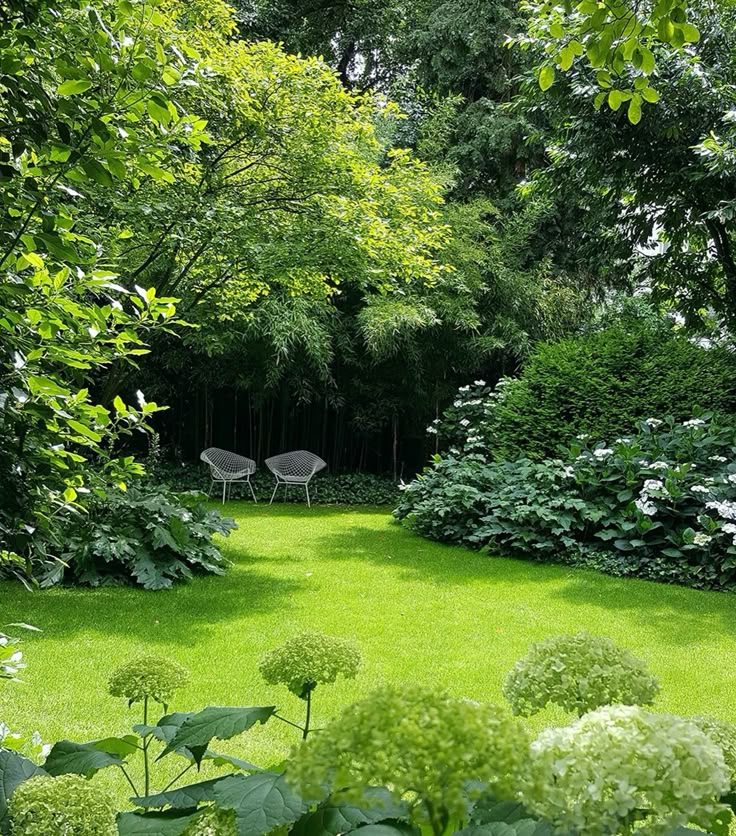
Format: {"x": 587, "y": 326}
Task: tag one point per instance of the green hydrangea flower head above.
{"x": 148, "y": 676}
{"x": 723, "y": 734}
{"x": 213, "y": 822}
{"x": 42, "y": 806}
{"x": 421, "y": 743}
{"x": 309, "y": 659}
{"x": 596, "y": 776}
{"x": 579, "y": 673}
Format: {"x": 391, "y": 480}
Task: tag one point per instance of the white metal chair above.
{"x": 295, "y": 468}
{"x": 227, "y": 467}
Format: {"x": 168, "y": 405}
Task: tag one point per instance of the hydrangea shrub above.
{"x": 43, "y": 806}
{"x": 619, "y": 764}
{"x": 423, "y": 744}
{"x": 659, "y": 503}
{"x": 309, "y": 659}
{"x": 578, "y": 673}
{"x": 148, "y": 677}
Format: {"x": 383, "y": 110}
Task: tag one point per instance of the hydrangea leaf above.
{"x": 261, "y": 802}
{"x": 79, "y": 758}
{"x": 171, "y": 823}
{"x": 182, "y": 797}
{"x": 222, "y": 723}
{"x": 336, "y": 816}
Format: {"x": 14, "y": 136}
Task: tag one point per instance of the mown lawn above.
{"x": 420, "y": 611}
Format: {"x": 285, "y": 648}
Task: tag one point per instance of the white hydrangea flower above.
{"x": 653, "y": 422}
{"x": 568, "y": 472}
{"x": 479, "y": 382}
{"x": 649, "y": 509}
{"x": 700, "y": 489}
{"x": 457, "y": 404}
{"x": 582, "y": 437}
{"x": 432, "y": 430}
{"x": 693, "y": 422}
{"x": 726, "y": 510}
{"x": 717, "y": 459}
{"x": 659, "y": 465}
{"x": 728, "y": 528}
{"x": 702, "y": 539}
{"x": 602, "y": 452}
{"x": 623, "y": 441}
{"x": 465, "y": 422}
{"x": 732, "y": 478}
{"x": 593, "y": 776}
{"x": 653, "y": 485}
{"x": 464, "y": 389}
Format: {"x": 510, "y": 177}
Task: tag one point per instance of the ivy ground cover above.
{"x": 421, "y": 611}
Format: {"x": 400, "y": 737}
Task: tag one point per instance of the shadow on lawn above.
{"x": 681, "y": 615}
{"x": 184, "y": 614}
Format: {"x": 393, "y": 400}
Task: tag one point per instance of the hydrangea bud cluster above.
{"x": 419, "y": 741}
{"x": 42, "y": 806}
{"x": 597, "y": 776}
{"x": 148, "y": 677}
{"x": 309, "y": 659}
{"x": 578, "y": 673}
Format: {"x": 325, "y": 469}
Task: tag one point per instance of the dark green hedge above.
{"x": 604, "y": 383}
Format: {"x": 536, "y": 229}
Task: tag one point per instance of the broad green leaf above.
{"x": 635, "y": 109}
{"x": 261, "y": 802}
{"x": 690, "y": 33}
{"x": 73, "y": 87}
{"x": 155, "y": 824}
{"x": 546, "y": 77}
{"x": 122, "y": 746}
{"x": 335, "y": 817}
{"x": 14, "y": 770}
{"x": 222, "y": 723}
{"x": 615, "y": 99}
{"x": 649, "y": 94}
{"x": 183, "y": 797}
{"x": 80, "y": 428}
{"x": 79, "y": 758}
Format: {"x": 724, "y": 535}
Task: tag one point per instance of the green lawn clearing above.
{"x": 420, "y": 611}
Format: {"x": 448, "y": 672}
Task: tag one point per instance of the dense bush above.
{"x": 145, "y": 535}
{"x": 325, "y": 488}
{"x": 658, "y": 504}
{"x": 602, "y": 383}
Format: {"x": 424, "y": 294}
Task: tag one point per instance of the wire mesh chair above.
{"x": 295, "y": 468}
{"x": 227, "y": 467}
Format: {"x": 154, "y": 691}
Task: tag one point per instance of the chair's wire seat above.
{"x": 227, "y": 467}
{"x": 295, "y": 468}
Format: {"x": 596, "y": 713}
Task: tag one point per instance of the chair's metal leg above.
{"x": 212, "y": 485}
{"x": 224, "y": 488}
{"x": 253, "y": 493}
{"x": 273, "y": 495}
{"x": 306, "y": 488}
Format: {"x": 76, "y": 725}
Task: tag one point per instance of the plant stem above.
{"x": 129, "y": 780}
{"x": 305, "y": 731}
{"x": 146, "y": 767}
{"x": 288, "y": 722}
{"x": 180, "y": 775}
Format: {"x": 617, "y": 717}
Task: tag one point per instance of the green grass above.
{"x": 420, "y": 611}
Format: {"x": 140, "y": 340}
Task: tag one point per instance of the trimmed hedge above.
{"x": 601, "y": 384}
